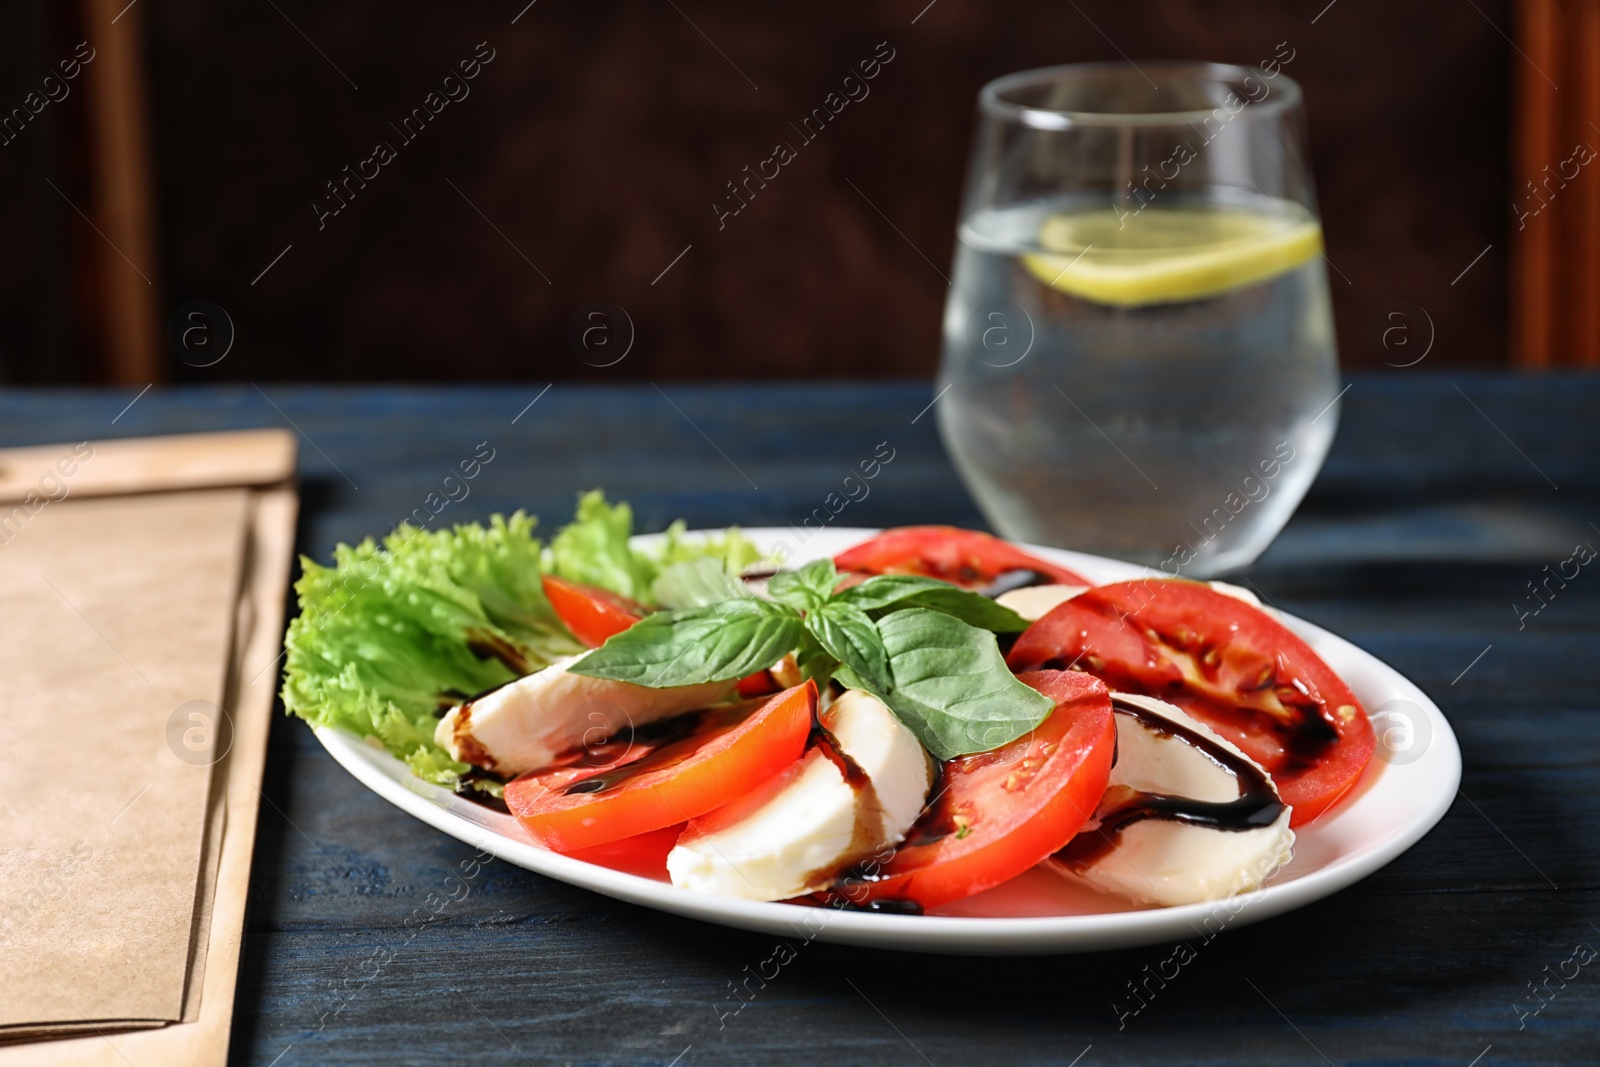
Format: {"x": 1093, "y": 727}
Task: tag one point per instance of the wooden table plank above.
{"x": 1416, "y": 540}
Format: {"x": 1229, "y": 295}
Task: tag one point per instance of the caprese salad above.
{"x": 926, "y": 716}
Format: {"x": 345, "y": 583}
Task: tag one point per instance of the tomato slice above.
{"x": 1229, "y": 664}
{"x": 594, "y": 614}
{"x": 996, "y": 814}
{"x": 727, "y": 752}
{"x": 966, "y": 558}
{"x": 758, "y": 684}
{"x": 591, "y": 613}
{"x": 642, "y": 854}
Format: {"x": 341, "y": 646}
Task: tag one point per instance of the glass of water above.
{"x": 1138, "y": 352}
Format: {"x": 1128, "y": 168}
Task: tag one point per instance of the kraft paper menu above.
{"x": 121, "y": 613}
{"x": 146, "y": 464}
{"x": 137, "y": 670}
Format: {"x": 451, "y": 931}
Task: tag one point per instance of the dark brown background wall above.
{"x": 591, "y": 149}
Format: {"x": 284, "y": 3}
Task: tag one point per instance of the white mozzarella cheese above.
{"x": 526, "y": 724}
{"x": 796, "y": 834}
{"x": 1165, "y": 862}
{"x": 1034, "y": 602}
{"x": 1238, "y": 592}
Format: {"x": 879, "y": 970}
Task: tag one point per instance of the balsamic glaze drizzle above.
{"x": 1006, "y": 581}
{"x": 663, "y": 737}
{"x": 486, "y": 645}
{"x": 1306, "y": 733}
{"x": 885, "y": 906}
{"x": 869, "y": 814}
{"x": 465, "y": 788}
{"x": 1257, "y": 805}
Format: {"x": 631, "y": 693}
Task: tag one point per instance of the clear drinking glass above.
{"x": 1138, "y": 348}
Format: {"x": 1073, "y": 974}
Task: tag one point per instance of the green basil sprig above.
{"x": 715, "y": 643}
{"x": 893, "y": 592}
{"x": 951, "y": 687}
{"x": 922, "y": 646}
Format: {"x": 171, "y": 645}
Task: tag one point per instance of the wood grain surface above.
{"x": 1427, "y": 522}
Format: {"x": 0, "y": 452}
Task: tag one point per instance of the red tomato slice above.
{"x": 591, "y": 613}
{"x": 758, "y": 684}
{"x": 963, "y": 557}
{"x": 730, "y": 751}
{"x": 643, "y": 854}
{"x": 1227, "y": 663}
{"x": 998, "y": 813}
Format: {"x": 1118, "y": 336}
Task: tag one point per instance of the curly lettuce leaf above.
{"x": 733, "y": 549}
{"x": 502, "y": 566}
{"x": 433, "y": 764}
{"x": 392, "y": 633}
{"x": 594, "y": 549}
{"x": 388, "y": 635}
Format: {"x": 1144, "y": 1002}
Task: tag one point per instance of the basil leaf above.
{"x": 807, "y": 588}
{"x": 814, "y": 661}
{"x": 951, "y": 687}
{"x": 696, "y": 583}
{"x": 889, "y": 592}
{"x": 716, "y": 643}
{"x": 850, "y": 680}
{"x": 849, "y": 636}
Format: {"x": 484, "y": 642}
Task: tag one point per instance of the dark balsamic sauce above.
{"x": 466, "y": 788}
{"x": 492, "y": 646}
{"x": 671, "y": 742}
{"x": 1007, "y": 581}
{"x": 879, "y": 907}
{"x": 869, "y": 813}
{"x": 936, "y": 821}
{"x": 1257, "y": 805}
{"x": 665, "y": 731}
{"x": 1305, "y": 734}
{"x": 938, "y": 818}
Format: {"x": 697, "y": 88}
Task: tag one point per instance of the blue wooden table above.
{"x": 1443, "y": 498}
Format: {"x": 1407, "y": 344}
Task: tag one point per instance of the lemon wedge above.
{"x": 1160, "y": 256}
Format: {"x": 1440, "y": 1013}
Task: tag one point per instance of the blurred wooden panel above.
{"x": 36, "y": 341}
{"x": 1585, "y": 295}
{"x": 1555, "y": 275}
{"x": 593, "y": 147}
{"x": 1536, "y": 133}
{"x": 124, "y": 197}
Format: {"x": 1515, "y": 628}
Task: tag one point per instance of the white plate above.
{"x": 1389, "y": 811}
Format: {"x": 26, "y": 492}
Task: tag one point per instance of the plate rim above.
{"x": 473, "y": 824}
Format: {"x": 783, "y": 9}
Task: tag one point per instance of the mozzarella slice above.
{"x": 1034, "y": 602}
{"x": 1163, "y": 861}
{"x": 526, "y": 724}
{"x": 796, "y": 834}
{"x": 1238, "y": 592}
